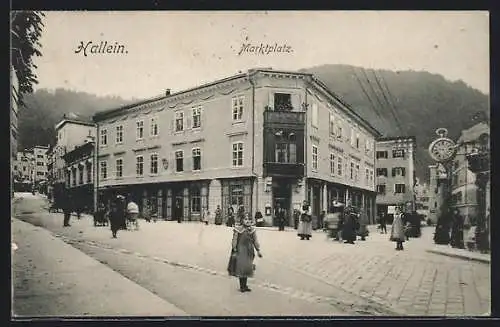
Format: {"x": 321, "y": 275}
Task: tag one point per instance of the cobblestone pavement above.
{"x": 370, "y": 273}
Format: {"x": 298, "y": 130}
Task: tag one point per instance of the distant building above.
{"x": 395, "y": 172}
{"x": 437, "y": 190}
{"x": 80, "y": 175}
{"x": 463, "y": 187}
{"x": 254, "y": 140}
{"x": 71, "y": 133}
{"x": 422, "y": 199}
{"x": 24, "y": 166}
{"x": 40, "y": 156}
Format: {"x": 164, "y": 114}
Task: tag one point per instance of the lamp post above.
{"x": 479, "y": 164}
{"x": 443, "y": 150}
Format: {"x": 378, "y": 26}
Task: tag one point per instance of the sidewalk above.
{"x": 460, "y": 253}
{"x": 52, "y": 278}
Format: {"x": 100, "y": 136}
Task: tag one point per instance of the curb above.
{"x": 460, "y": 256}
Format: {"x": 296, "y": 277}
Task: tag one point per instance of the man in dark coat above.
{"x": 349, "y": 225}
{"x": 457, "y": 230}
{"x": 67, "y": 208}
{"x": 280, "y": 217}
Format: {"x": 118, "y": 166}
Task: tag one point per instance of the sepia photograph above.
{"x": 250, "y": 164}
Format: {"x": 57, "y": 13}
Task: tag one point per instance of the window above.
{"x": 119, "y": 167}
{"x": 153, "y": 128}
{"x": 339, "y": 131}
{"x": 381, "y": 189}
{"x": 238, "y": 103}
{"x": 315, "y": 114}
{"x": 367, "y": 176}
{"x": 381, "y": 154}
{"x": 104, "y": 136}
{"x": 103, "y": 169}
{"x": 356, "y": 173}
{"x": 285, "y": 152}
{"x": 39, "y": 163}
{"x": 139, "y": 132}
{"x": 195, "y": 200}
{"x": 196, "y": 159}
{"x": 368, "y": 145}
{"x": 314, "y": 157}
{"x": 282, "y": 102}
{"x": 40, "y": 173}
{"x": 179, "y": 121}
{"x": 80, "y": 175}
{"x": 89, "y": 173}
{"x": 352, "y": 170}
{"x": 236, "y": 194}
{"x": 39, "y": 156}
{"x": 179, "y": 160}
{"x": 399, "y": 188}
{"x": 139, "y": 165}
{"x": 353, "y": 137}
{"x": 339, "y": 166}
{"x": 332, "y": 125}
{"x": 237, "y": 154}
{"x": 398, "y": 171}
{"x": 398, "y": 153}
{"x": 371, "y": 177}
{"x": 119, "y": 134}
{"x": 382, "y": 172}
{"x": 153, "y": 169}
{"x": 332, "y": 163}
{"x": 357, "y": 141}
{"x": 197, "y": 117}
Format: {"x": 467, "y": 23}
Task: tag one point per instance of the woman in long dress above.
{"x": 304, "y": 231}
{"x": 242, "y": 255}
{"x": 397, "y": 231}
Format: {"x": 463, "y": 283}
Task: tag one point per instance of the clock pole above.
{"x": 443, "y": 150}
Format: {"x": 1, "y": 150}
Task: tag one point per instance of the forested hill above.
{"x": 417, "y": 104}
{"x": 44, "y": 109}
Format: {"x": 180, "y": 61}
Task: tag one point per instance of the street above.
{"x": 184, "y": 266}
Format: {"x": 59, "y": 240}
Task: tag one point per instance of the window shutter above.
{"x": 187, "y": 120}
{"x": 403, "y": 171}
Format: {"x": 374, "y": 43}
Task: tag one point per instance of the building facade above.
{"x": 251, "y": 140}
{"x": 41, "y": 162}
{"x": 24, "y": 167}
{"x": 13, "y": 123}
{"x": 437, "y": 191}
{"x": 79, "y": 177}
{"x": 422, "y": 199}
{"x": 463, "y": 180}
{"x": 395, "y": 173}
{"x": 71, "y": 133}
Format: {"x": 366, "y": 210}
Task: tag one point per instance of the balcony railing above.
{"x": 284, "y": 169}
{"x": 284, "y": 117}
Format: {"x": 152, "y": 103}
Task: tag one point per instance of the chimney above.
{"x": 167, "y": 92}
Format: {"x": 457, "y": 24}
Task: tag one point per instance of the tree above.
{"x": 25, "y": 32}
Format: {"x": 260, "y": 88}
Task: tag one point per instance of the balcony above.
{"x": 284, "y": 117}
{"x": 279, "y": 169}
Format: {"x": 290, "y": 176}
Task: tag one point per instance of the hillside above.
{"x": 43, "y": 109}
{"x": 423, "y": 102}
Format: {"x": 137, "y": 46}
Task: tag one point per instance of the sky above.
{"x": 180, "y": 50}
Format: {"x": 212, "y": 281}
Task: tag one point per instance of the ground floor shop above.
{"x": 190, "y": 200}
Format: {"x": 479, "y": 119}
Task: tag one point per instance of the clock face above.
{"x": 442, "y": 149}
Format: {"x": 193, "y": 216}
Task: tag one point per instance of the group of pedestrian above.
{"x": 344, "y": 222}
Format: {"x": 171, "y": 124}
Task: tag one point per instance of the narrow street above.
{"x": 183, "y": 266}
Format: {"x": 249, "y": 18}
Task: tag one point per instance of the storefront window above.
{"x": 195, "y": 200}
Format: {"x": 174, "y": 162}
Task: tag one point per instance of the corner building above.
{"x": 253, "y": 139}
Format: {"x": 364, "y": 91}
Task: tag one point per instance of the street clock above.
{"x": 442, "y": 149}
